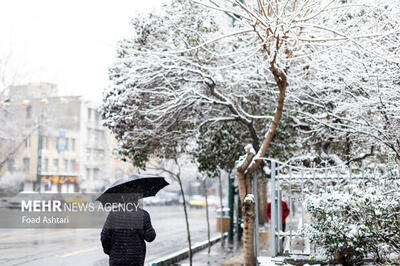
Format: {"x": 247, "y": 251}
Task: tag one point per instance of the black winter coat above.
{"x": 123, "y": 237}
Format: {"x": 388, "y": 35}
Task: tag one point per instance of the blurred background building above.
{"x": 56, "y": 142}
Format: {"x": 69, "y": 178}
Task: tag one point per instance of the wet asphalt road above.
{"x": 82, "y": 246}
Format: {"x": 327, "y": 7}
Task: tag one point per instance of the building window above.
{"x": 45, "y": 142}
{"x": 72, "y": 167}
{"x": 11, "y": 166}
{"x": 89, "y": 114}
{"x": 45, "y": 166}
{"x": 96, "y": 116}
{"x": 65, "y": 166}
{"x": 87, "y": 173}
{"x": 96, "y": 172}
{"x": 96, "y": 136}
{"x": 89, "y": 135}
{"x": 47, "y": 186}
{"x": 55, "y": 165}
{"x": 26, "y": 163}
{"x": 57, "y": 143}
{"x": 28, "y": 142}
{"x": 66, "y": 144}
{"x": 29, "y": 111}
{"x": 40, "y": 141}
{"x": 72, "y": 144}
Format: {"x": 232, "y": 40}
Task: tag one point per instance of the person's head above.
{"x": 131, "y": 197}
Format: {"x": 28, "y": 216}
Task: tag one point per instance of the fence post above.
{"x": 279, "y": 219}
{"x": 291, "y": 204}
{"x": 239, "y": 219}
{"x": 278, "y": 207}
{"x": 231, "y": 199}
{"x": 256, "y": 224}
{"x": 273, "y": 210}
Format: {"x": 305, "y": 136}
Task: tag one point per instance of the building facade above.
{"x": 59, "y": 143}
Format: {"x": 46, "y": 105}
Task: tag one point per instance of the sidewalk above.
{"x": 232, "y": 254}
{"x": 217, "y": 256}
{"x": 265, "y": 249}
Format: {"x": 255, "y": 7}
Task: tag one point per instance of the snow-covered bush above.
{"x": 359, "y": 220}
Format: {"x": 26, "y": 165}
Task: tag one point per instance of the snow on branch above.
{"x": 249, "y": 149}
{"x": 249, "y": 198}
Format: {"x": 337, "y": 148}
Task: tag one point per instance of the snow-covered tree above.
{"x": 357, "y": 109}
{"x": 177, "y": 89}
{"x": 12, "y": 133}
{"x": 184, "y": 71}
{"x": 367, "y": 113}
{"x": 310, "y": 46}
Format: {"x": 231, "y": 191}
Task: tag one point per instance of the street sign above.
{"x": 62, "y": 134}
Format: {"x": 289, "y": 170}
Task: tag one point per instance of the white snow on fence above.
{"x": 290, "y": 183}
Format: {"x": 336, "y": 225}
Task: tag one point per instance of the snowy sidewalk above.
{"x": 217, "y": 256}
{"x": 234, "y": 255}
{"x": 264, "y": 246}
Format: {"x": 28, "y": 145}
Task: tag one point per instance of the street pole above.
{"x": 39, "y": 152}
{"x": 239, "y": 219}
{"x": 239, "y": 210}
{"x": 207, "y": 216}
{"x": 222, "y": 212}
{"x": 231, "y": 200}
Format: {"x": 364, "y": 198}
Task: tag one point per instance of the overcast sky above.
{"x": 69, "y": 42}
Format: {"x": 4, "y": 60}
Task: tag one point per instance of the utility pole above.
{"x": 231, "y": 200}
{"x": 239, "y": 219}
{"x": 39, "y": 152}
{"x": 234, "y": 190}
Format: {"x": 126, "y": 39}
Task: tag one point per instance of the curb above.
{"x": 184, "y": 253}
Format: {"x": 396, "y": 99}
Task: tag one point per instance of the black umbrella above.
{"x": 140, "y": 185}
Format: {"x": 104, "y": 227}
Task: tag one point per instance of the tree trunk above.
{"x": 249, "y": 216}
{"x": 247, "y": 167}
{"x": 186, "y": 219}
{"x": 207, "y": 216}
{"x": 222, "y": 209}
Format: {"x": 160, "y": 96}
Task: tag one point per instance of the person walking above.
{"x": 285, "y": 213}
{"x": 124, "y": 234}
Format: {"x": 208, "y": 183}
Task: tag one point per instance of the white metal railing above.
{"x": 290, "y": 182}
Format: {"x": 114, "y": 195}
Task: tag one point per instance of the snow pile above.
{"x": 357, "y": 222}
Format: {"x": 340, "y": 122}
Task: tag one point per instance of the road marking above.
{"x": 71, "y": 253}
{"x": 34, "y": 235}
